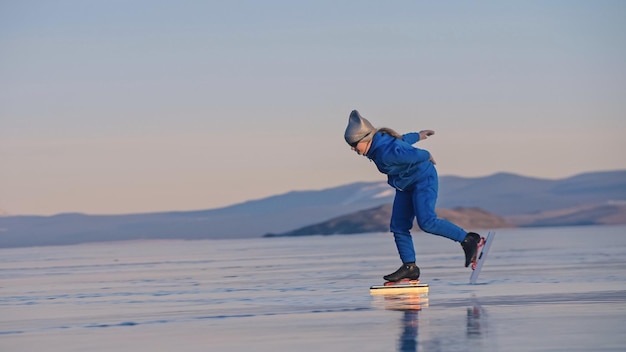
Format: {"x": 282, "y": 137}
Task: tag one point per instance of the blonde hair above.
{"x": 390, "y": 132}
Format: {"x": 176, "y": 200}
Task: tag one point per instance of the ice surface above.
{"x": 542, "y": 289}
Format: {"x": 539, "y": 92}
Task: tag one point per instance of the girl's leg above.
{"x": 402, "y": 217}
{"x": 424, "y": 199}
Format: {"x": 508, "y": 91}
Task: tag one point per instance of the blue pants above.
{"x": 419, "y": 203}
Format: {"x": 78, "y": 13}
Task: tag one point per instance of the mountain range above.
{"x": 377, "y": 220}
{"x": 590, "y": 198}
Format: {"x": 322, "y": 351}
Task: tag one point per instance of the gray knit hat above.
{"x": 359, "y": 129}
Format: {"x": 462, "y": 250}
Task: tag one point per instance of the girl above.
{"x": 411, "y": 171}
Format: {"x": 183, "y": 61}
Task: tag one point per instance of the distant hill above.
{"x": 509, "y": 194}
{"x": 609, "y": 213}
{"x": 512, "y": 197}
{"x": 475, "y": 219}
{"x": 377, "y": 220}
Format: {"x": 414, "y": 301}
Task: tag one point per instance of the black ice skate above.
{"x": 408, "y": 271}
{"x": 470, "y": 247}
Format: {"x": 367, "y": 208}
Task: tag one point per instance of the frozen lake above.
{"x": 542, "y": 289}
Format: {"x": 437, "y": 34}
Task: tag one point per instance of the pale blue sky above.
{"x": 141, "y": 106}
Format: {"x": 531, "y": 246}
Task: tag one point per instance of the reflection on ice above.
{"x": 408, "y": 340}
{"x": 401, "y": 301}
{"x": 476, "y": 321}
{"x": 412, "y": 321}
{"x": 410, "y": 304}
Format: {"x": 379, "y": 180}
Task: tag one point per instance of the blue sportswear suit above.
{"x": 410, "y": 171}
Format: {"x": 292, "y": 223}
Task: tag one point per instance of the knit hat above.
{"x": 359, "y": 129}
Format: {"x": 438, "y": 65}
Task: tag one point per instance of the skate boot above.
{"x": 470, "y": 247}
{"x": 408, "y": 271}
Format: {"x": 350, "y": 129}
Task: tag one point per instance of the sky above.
{"x": 136, "y": 106}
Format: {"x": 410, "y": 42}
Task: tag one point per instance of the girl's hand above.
{"x": 432, "y": 160}
{"x": 425, "y": 134}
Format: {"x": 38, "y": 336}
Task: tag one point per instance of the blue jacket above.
{"x": 403, "y": 164}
